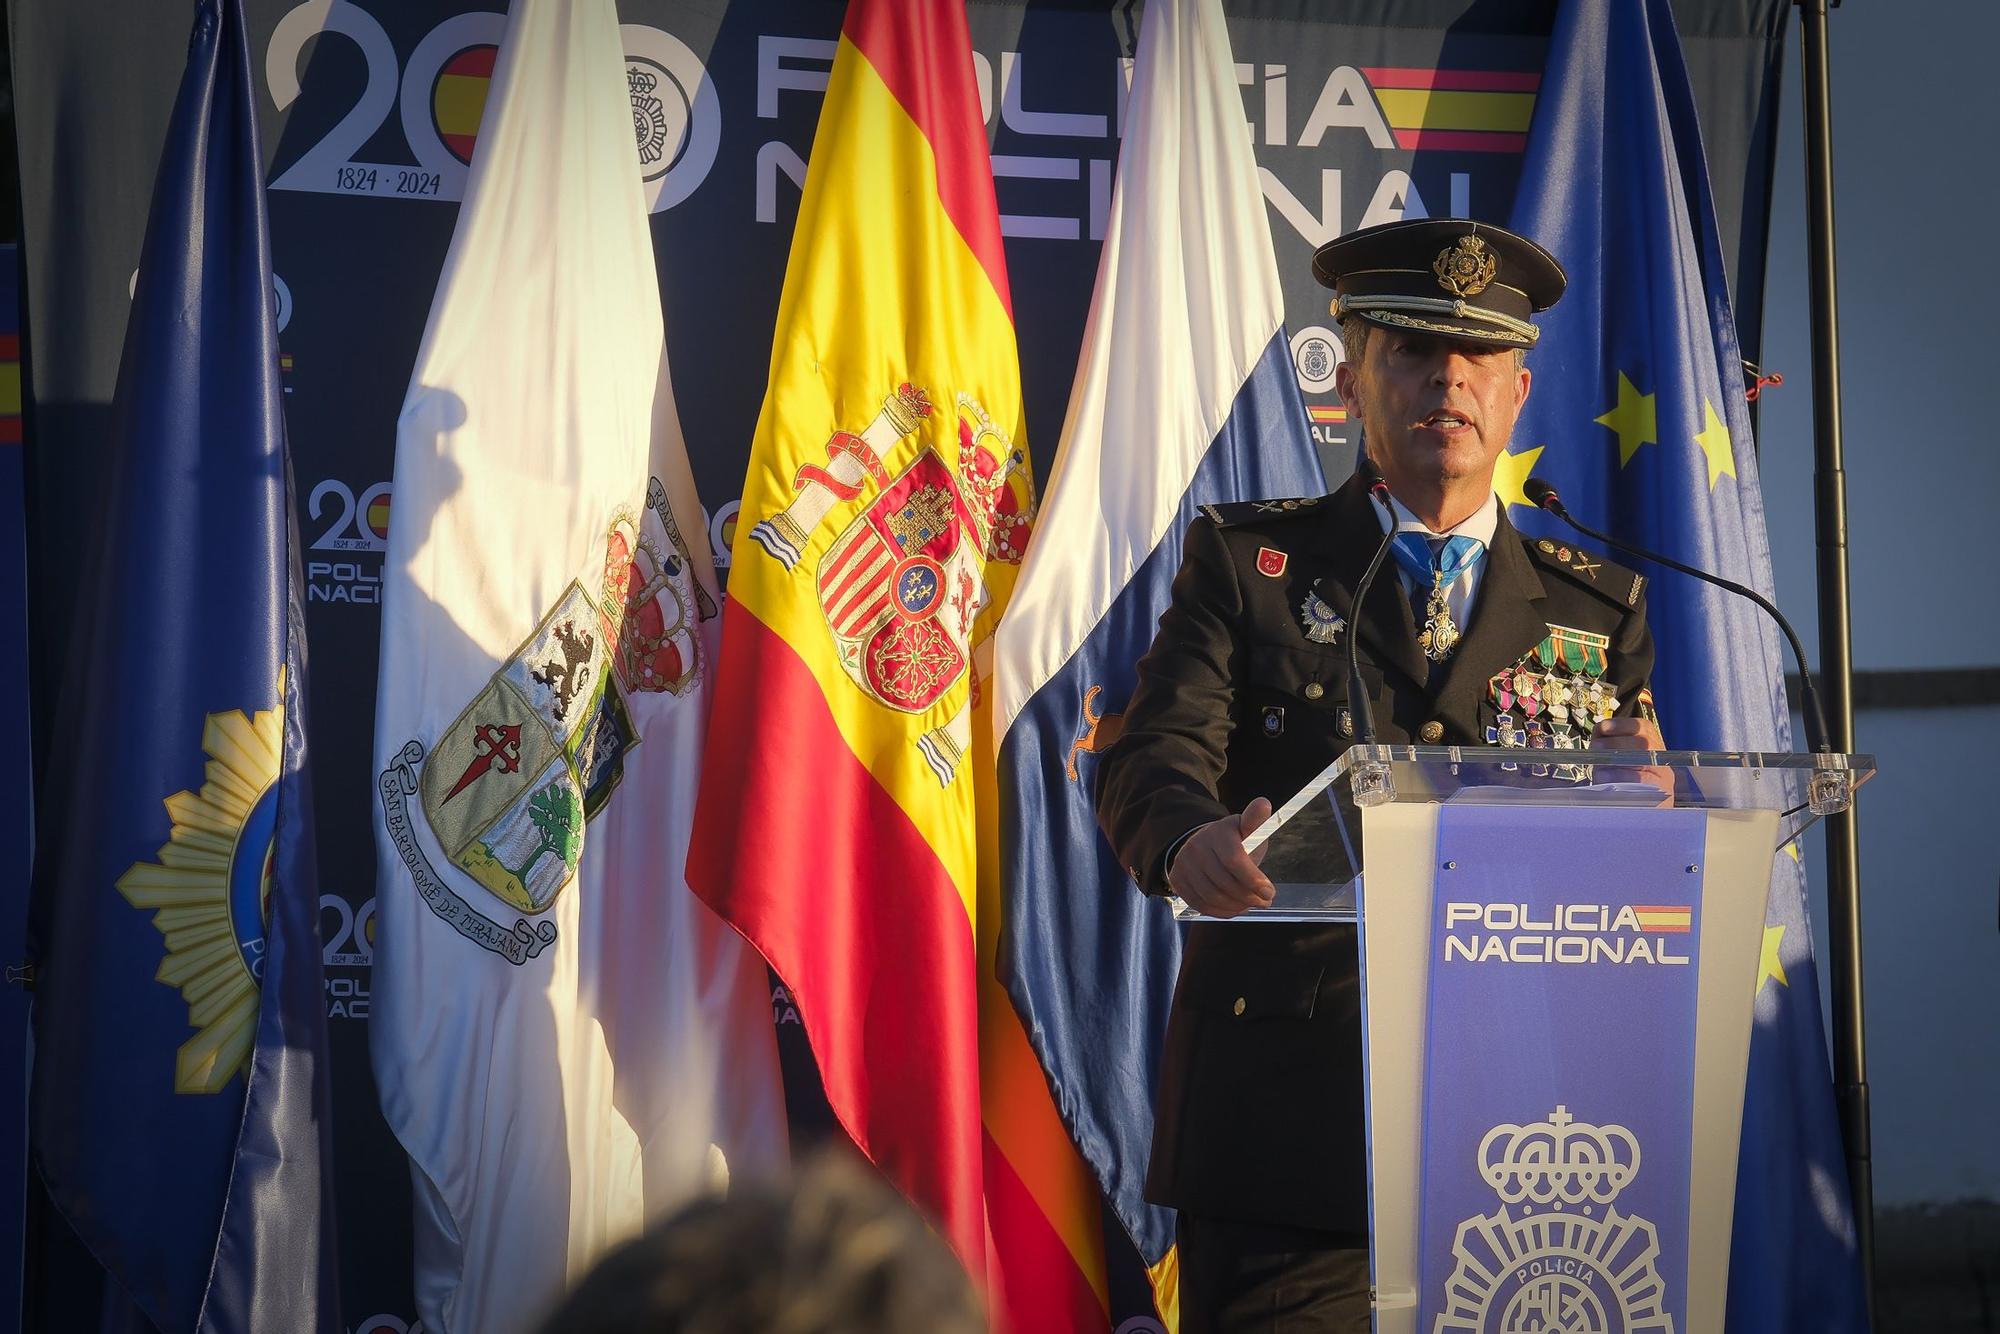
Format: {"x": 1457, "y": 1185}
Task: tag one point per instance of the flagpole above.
{"x": 1843, "y": 855}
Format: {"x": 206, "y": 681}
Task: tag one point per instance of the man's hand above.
{"x": 1213, "y": 873}
{"x": 1635, "y": 734}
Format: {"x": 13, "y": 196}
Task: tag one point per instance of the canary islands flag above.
{"x": 848, "y": 818}
{"x": 1638, "y": 417}
{"x": 1184, "y": 396}
{"x": 179, "y": 1110}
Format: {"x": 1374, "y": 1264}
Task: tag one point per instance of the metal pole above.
{"x": 1843, "y": 854}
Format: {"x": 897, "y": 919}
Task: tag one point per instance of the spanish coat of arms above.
{"x": 902, "y": 584}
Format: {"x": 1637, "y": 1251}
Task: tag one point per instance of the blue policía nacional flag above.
{"x": 1637, "y": 416}
{"x": 179, "y": 1100}
{"x": 1184, "y": 396}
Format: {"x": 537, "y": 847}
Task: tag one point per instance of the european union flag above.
{"x": 1638, "y": 417}
{"x": 179, "y": 1099}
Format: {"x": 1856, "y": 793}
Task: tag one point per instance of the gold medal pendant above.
{"x": 1440, "y": 633}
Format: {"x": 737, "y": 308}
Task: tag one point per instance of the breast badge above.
{"x": 1321, "y": 623}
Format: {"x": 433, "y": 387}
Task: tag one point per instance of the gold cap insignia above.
{"x": 1466, "y": 268}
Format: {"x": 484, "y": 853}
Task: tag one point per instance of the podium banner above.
{"x": 1559, "y": 1092}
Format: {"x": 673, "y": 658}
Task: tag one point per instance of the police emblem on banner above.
{"x": 211, "y": 888}
{"x": 904, "y": 581}
{"x": 507, "y": 791}
{"x": 1557, "y": 1254}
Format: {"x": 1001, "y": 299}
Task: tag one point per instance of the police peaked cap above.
{"x": 1446, "y": 276}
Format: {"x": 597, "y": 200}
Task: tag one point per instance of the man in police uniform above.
{"x": 1474, "y": 635}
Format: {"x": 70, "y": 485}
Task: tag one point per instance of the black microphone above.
{"x": 1544, "y": 496}
{"x": 1360, "y": 707}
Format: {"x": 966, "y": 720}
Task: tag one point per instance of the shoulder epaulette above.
{"x": 1258, "y": 511}
{"x": 1608, "y": 579}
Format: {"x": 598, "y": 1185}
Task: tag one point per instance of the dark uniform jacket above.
{"x": 1260, "y": 1098}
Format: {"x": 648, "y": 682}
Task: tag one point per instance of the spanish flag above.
{"x": 848, "y": 819}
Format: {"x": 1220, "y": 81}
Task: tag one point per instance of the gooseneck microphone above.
{"x": 1544, "y": 496}
{"x": 1360, "y": 707}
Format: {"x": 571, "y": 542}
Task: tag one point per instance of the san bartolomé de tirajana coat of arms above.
{"x": 509, "y": 788}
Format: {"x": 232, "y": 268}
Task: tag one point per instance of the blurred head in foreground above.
{"x": 832, "y": 1251}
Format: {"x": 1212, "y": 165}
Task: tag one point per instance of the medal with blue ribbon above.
{"x": 1438, "y": 563}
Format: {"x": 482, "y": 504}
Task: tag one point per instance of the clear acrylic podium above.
{"x": 1360, "y": 844}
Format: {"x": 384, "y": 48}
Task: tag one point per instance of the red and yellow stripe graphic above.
{"x": 848, "y": 819}
{"x": 377, "y": 517}
{"x": 1321, "y": 413}
{"x": 1457, "y": 110}
{"x": 10, "y": 389}
{"x": 458, "y": 98}
{"x": 1655, "y": 919}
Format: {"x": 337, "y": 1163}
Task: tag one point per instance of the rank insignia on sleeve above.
{"x": 1271, "y": 563}
{"x": 1321, "y": 623}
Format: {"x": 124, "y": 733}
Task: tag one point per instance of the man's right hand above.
{"x": 1214, "y": 875}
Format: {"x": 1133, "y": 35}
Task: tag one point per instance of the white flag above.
{"x": 566, "y": 1041}
{"x": 1185, "y": 397}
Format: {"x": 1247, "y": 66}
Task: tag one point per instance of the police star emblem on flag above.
{"x": 210, "y": 887}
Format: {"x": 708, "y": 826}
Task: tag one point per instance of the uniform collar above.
{"x": 1506, "y": 623}
{"x": 1481, "y": 524}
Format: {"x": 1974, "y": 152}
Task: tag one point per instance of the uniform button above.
{"x": 1431, "y": 732}
{"x": 1314, "y": 690}
{"x": 1240, "y": 1006}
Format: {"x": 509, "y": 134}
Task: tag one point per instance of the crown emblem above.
{"x": 993, "y": 478}
{"x": 1466, "y": 268}
{"x": 639, "y": 82}
{"x": 1560, "y": 1161}
{"x": 1557, "y": 1254}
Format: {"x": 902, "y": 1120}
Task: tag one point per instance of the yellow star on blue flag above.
{"x": 1714, "y": 442}
{"x": 1769, "y": 965}
{"x": 1510, "y": 475}
{"x": 1634, "y": 419}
